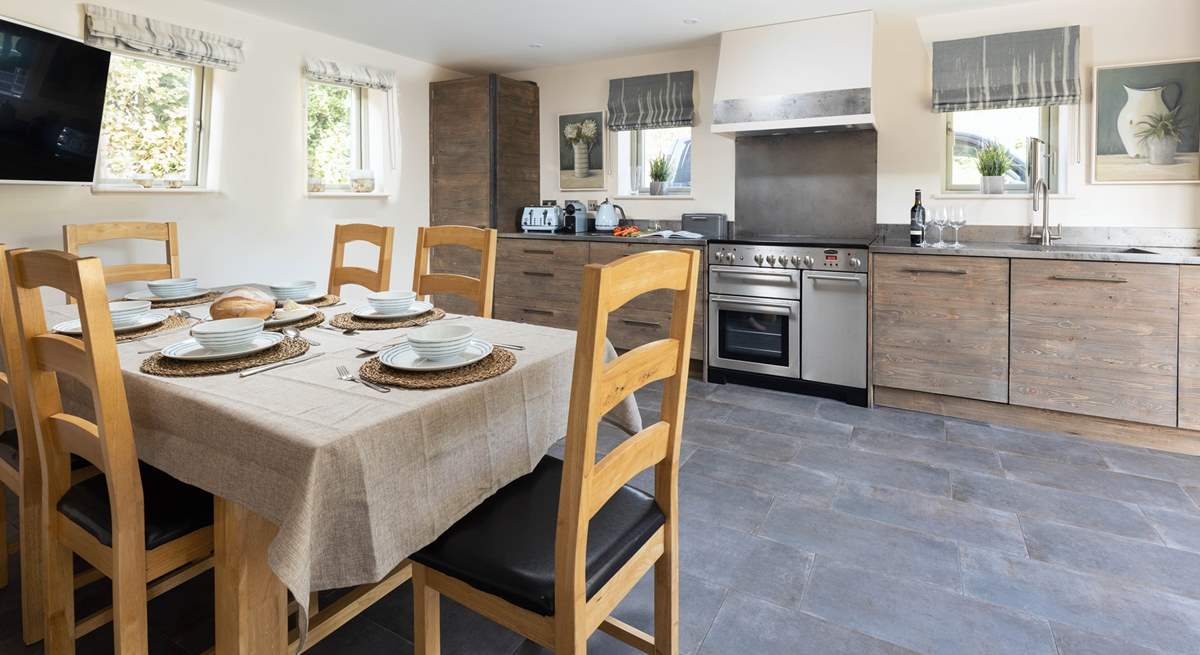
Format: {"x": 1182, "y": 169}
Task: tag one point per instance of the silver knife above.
{"x": 268, "y": 367}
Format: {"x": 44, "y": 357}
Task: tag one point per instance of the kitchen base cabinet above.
{"x": 1189, "y": 347}
{"x": 1095, "y": 338}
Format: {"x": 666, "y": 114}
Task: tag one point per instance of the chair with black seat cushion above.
{"x": 143, "y": 529}
{"x": 551, "y": 554}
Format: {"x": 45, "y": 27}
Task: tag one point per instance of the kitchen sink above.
{"x": 1124, "y": 250}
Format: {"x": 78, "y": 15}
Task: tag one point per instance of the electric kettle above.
{"x": 606, "y": 216}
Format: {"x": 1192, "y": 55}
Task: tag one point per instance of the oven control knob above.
{"x": 808, "y": 260}
{"x": 728, "y": 258}
{"x": 855, "y": 262}
{"x": 795, "y": 261}
{"x": 770, "y": 260}
{"x": 758, "y": 259}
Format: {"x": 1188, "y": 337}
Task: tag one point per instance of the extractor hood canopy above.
{"x": 802, "y": 76}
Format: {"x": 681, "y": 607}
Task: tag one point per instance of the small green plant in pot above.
{"x": 660, "y": 172}
{"x": 1161, "y": 133}
{"x": 993, "y": 162}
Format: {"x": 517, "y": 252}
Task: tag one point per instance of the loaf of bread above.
{"x": 243, "y": 302}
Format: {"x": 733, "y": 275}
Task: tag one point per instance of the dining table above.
{"x": 322, "y": 483}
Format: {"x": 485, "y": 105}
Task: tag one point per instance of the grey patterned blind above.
{"x": 1017, "y": 69}
{"x": 117, "y": 30}
{"x": 322, "y": 70}
{"x": 651, "y": 101}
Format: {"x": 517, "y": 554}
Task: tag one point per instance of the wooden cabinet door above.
{"x": 1096, "y": 338}
{"x": 460, "y": 183}
{"x": 1189, "y": 347}
{"x": 941, "y": 325}
{"x": 518, "y": 135}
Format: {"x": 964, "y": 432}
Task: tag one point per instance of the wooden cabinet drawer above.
{"x": 538, "y": 313}
{"x": 940, "y": 325}
{"x": 1096, "y": 338}
{"x": 629, "y": 328}
{"x": 605, "y": 253}
{"x": 1189, "y": 347}
{"x": 538, "y": 269}
{"x": 544, "y": 252}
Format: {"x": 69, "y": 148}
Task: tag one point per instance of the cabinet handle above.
{"x": 944, "y": 271}
{"x": 538, "y": 252}
{"x": 629, "y": 321}
{"x": 543, "y": 312}
{"x": 537, "y": 273}
{"x": 1090, "y": 278}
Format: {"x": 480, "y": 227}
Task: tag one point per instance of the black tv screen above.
{"x": 51, "y": 102}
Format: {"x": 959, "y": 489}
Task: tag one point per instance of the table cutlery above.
{"x": 295, "y": 334}
{"x": 268, "y": 367}
{"x": 348, "y": 333}
{"x": 344, "y": 373}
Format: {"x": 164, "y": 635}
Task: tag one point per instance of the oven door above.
{"x": 756, "y": 335}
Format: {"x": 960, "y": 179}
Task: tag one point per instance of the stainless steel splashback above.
{"x": 819, "y": 185}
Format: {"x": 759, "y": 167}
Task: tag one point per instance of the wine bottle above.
{"x": 916, "y": 222}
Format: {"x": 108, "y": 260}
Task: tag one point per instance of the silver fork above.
{"x": 344, "y": 373}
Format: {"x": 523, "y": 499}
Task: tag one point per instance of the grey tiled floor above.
{"x": 810, "y": 526}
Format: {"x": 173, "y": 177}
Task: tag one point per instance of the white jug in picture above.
{"x": 1140, "y": 104}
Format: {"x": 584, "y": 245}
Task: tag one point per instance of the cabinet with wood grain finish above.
{"x": 1189, "y": 347}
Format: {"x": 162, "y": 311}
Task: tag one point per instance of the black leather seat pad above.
{"x": 505, "y": 547}
{"x": 10, "y": 451}
{"x": 172, "y": 508}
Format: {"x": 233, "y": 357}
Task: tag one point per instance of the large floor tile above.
{"x": 942, "y": 517}
{"x": 873, "y": 468}
{"x": 1177, "y": 529}
{"x": 791, "y": 482}
{"x": 699, "y": 601}
{"x": 361, "y": 635}
{"x": 866, "y": 543}
{"x": 748, "y": 563}
{"x": 808, "y": 428}
{"x": 1098, "y": 605}
{"x": 924, "y": 618}
{"x": 1072, "y": 641}
{"x": 1130, "y": 560}
{"x": 1037, "y": 501}
{"x": 1059, "y": 448}
{"x": 944, "y": 454}
{"x": 1088, "y": 480}
{"x": 748, "y": 625}
{"x": 1194, "y": 493}
{"x": 754, "y": 443}
{"x": 765, "y": 399}
{"x": 464, "y": 632}
{"x": 1183, "y": 469}
{"x": 724, "y": 504}
{"x": 916, "y": 424}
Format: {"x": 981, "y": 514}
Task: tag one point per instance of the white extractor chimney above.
{"x": 807, "y": 75}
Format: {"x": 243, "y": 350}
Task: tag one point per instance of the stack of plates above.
{"x": 127, "y": 312}
{"x": 404, "y": 358}
{"x": 295, "y": 290}
{"x": 231, "y": 334}
{"x": 175, "y": 288}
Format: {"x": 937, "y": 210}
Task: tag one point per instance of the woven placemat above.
{"x": 185, "y": 302}
{"x": 348, "y": 321}
{"x": 172, "y": 323}
{"x": 315, "y": 319}
{"x": 324, "y": 301}
{"x": 489, "y": 367}
{"x": 156, "y": 364}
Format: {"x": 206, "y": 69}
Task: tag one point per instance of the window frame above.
{"x": 1048, "y": 131}
{"x": 637, "y": 155}
{"x": 198, "y": 136}
{"x": 360, "y": 142}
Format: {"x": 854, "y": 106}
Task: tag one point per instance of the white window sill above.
{"x": 348, "y": 194}
{"x": 135, "y": 188}
{"x": 1011, "y": 195}
{"x": 646, "y": 196}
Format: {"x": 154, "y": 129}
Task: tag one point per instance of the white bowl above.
{"x": 173, "y": 288}
{"x": 391, "y": 302}
{"x": 227, "y": 333}
{"x": 440, "y": 341}
{"x": 125, "y": 312}
{"x": 293, "y": 285}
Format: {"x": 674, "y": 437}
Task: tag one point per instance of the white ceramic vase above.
{"x": 993, "y": 184}
{"x": 1139, "y": 104}
{"x": 581, "y": 159}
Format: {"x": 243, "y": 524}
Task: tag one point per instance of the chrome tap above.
{"x": 1038, "y": 184}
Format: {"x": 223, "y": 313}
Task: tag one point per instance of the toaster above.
{"x": 541, "y": 219}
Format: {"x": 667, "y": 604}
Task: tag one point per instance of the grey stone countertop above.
{"x": 1136, "y": 254}
{"x": 599, "y": 236}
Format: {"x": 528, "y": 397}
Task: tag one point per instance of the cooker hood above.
{"x": 801, "y": 76}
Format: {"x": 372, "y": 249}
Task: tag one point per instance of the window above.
{"x": 152, "y": 122}
{"x": 637, "y": 148}
{"x": 336, "y": 132}
{"x": 969, "y": 131}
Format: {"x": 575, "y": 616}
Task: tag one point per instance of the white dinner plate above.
{"x": 368, "y": 312}
{"x": 191, "y": 350}
{"x": 73, "y": 328}
{"x": 283, "y": 318}
{"x": 279, "y": 302}
{"x": 403, "y": 358}
{"x": 149, "y": 295}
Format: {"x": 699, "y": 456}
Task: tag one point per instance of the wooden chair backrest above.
{"x": 597, "y": 387}
{"x": 376, "y": 280}
{"x": 476, "y": 238}
{"x": 91, "y": 360}
{"x": 84, "y": 234}
{"x": 14, "y": 394}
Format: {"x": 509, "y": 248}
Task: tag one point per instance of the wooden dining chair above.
{"x": 78, "y": 235}
{"x": 340, "y": 274}
{"x": 477, "y": 289}
{"x": 553, "y": 553}
{"x": 135, "y": 524}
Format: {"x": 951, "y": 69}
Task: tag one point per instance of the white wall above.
{"x": 259, "y": 226}
{"x": 584, "y": 87}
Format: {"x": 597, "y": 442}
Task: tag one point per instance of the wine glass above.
{"x": 958, "y": 218}
{"x": 924, "y": 223}
{"x": 940, "y": 217}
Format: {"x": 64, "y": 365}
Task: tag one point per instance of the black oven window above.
{"x": 753, "y": 337}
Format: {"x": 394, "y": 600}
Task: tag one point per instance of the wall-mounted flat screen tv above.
{"x": 51, "y": 102}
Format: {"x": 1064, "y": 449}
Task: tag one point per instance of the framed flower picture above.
{"x": 581, "y": 151}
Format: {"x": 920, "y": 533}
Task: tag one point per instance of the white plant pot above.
{"x": 993, "y": 184}
{"x": 581, "y": 159}
{"x": 1162, "y": 151}
{"x": 658, "y": 188}
{"x": 1139, "y": 104}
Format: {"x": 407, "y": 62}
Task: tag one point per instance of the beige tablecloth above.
{"x": 355, "y": 479}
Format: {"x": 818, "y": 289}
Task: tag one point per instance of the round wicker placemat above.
{"x": 315, "y": 319}
{"x": 324, "y": 301}
{"x": 489, "y": 367}
{"x": 347, "y": 321}
{"x": 173, "y": 322}
{"x": 156, "y": 364}
{"x": 185, "y": 302}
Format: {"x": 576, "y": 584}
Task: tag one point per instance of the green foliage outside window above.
{"x": 329, "y": 132}
{"x": 147, "y": 108}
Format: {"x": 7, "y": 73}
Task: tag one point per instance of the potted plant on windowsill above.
{"x": 1162, "y": 133}
{"x": 993, "y": 162}
{"x": 660, "y": 172}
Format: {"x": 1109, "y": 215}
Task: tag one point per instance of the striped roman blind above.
{"x": 1016, "y": 69}
{"x": 651, "y": 101}
{"x": 322, "y": 70}
{"x": 118, "y": 30}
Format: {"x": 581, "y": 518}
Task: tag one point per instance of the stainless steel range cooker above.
{"x": 789, "y": 314}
